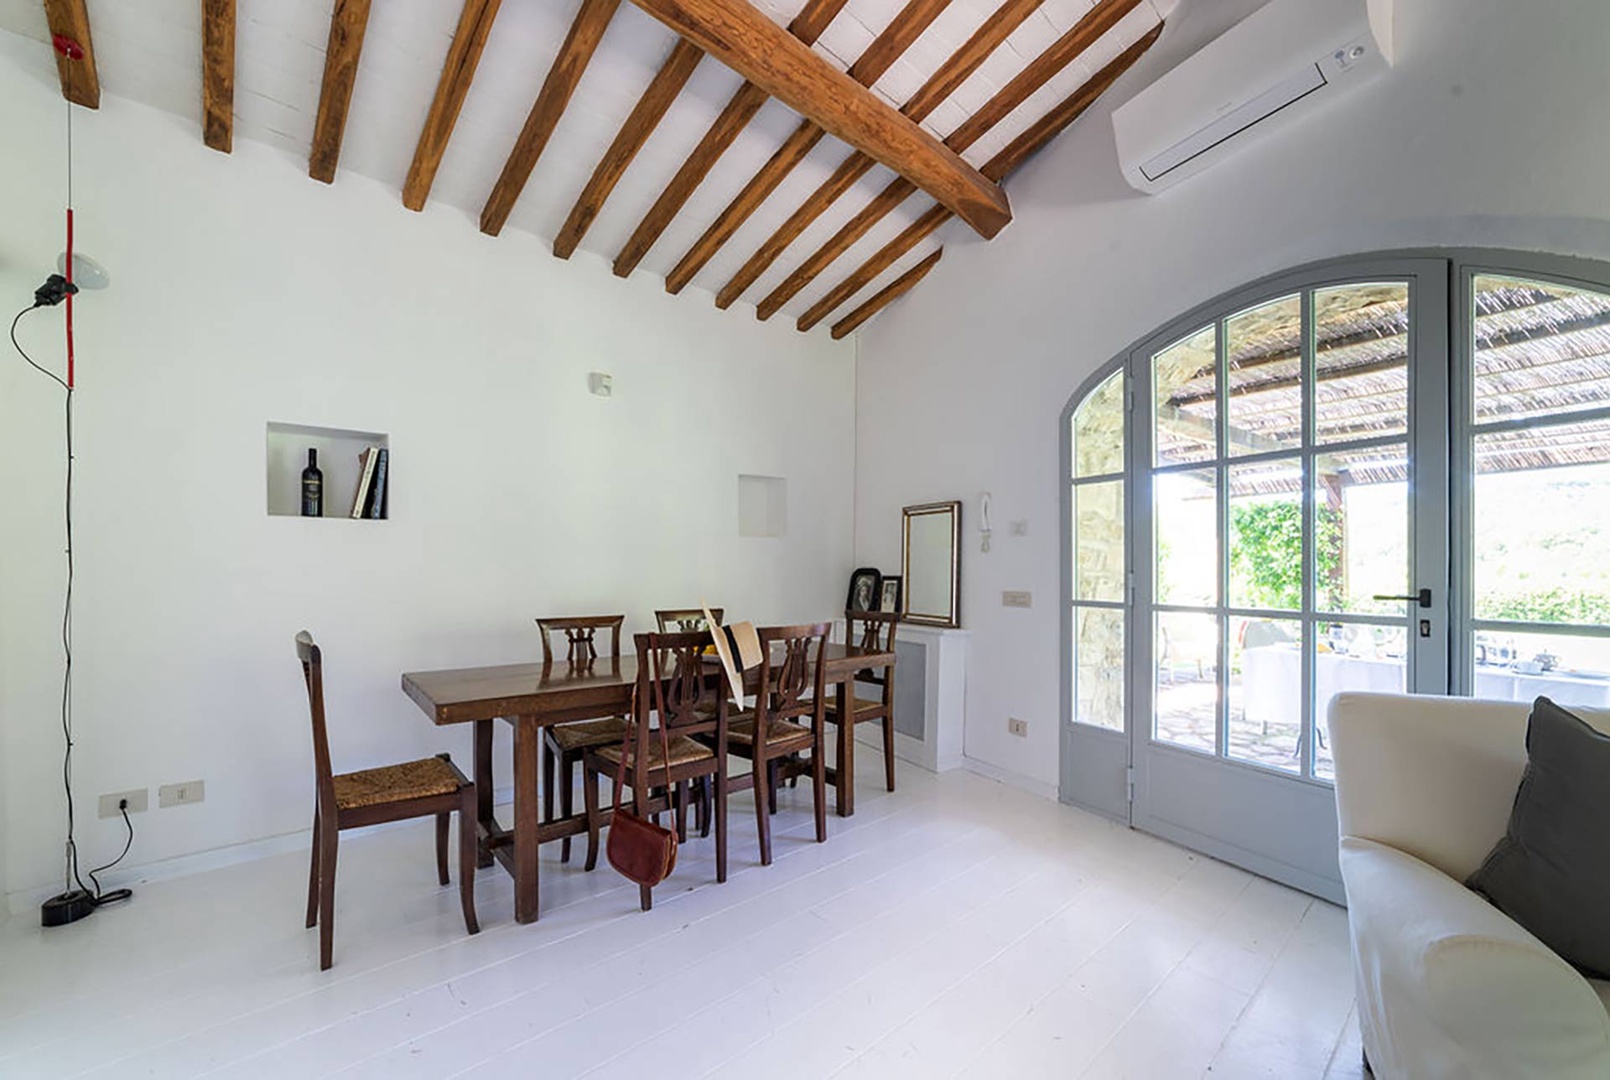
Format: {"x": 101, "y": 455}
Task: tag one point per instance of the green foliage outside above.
{"x": 1555, "y": 605}
{"x": 1266, "y": 570}
{"x": 1266, "y": 555}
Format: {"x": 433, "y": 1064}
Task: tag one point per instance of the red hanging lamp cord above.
{"x": 69, "y": 295}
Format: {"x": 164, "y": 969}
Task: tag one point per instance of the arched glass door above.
{"x": 1534, "y": 410}
{"x": 1280, "y": 440}
{"x": 1273, "y": 440}
{"x": 1375, "y": 474}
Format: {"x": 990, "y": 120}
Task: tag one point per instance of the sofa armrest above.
{"x": 1448, "y": 986}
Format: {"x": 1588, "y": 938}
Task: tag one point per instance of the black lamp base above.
{"x": 67, "y": 908}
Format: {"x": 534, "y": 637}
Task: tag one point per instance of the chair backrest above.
{"x": 790, "y": 665}
{"x": 313, "y": 675}
{"x": 873, "y": 631}
{"x": 676, "y": 686}
{"x": 677, "y": 683}
{"x": 579, "y": 631}
{"x": 675, "y": 620}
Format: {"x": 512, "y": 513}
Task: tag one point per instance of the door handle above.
{"x": 1423, "y": 597}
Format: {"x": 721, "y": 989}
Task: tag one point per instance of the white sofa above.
{"x": 1448, "y": 986}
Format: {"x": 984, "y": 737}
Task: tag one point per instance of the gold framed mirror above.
{"x": 931, "y": 562}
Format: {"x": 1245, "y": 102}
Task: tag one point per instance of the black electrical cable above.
{"x": 96, "y": 895}
{"x": 116, "y": 894}
{"x": 15, "y": 344}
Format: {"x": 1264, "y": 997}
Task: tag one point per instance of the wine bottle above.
{"x": 312, "y": 487}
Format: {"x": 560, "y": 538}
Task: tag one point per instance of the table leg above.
{"x": 527, "y": 742}
{"x": 483, "y": 790}
{"x": 844, "y": 763}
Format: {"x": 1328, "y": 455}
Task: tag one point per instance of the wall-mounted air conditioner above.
{"x": 1269, "y": 69}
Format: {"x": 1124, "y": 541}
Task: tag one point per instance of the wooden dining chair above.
{"x": 564, "y": 744}
{"x": 677, "y": 691}
{"x": 873, "y": 631}
{"x": 791, "y": 689}
{"x": 429, "y": 786}
{"x": 677, "y": 620}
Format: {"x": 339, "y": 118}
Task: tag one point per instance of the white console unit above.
{"x": 930, "y": 696}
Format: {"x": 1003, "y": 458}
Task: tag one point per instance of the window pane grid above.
{"x": 1294, "y": 447}
{"x": 1098, "y": 433}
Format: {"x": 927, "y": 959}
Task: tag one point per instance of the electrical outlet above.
{"x": 191, "y": 791}
{"x": 139, "y": 801}
{"x": 1012, "y": 598}
{"x": 1017, "y": 727}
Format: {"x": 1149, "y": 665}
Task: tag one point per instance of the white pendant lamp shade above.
{"x": 87, "y": 273}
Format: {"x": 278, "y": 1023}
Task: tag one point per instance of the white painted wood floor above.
{"x": 954, "y": 928}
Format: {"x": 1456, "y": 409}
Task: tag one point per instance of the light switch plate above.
{"x": 1014, "y": 598}
{"x": 190, "y": 791}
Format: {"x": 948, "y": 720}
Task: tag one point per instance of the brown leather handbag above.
{"x": 642, "y": 851}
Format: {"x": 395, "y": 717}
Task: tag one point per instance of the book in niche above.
{"x": 377, "y": 494}
{"x": 366, "y": 471}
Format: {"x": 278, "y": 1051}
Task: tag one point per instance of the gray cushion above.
{"x": 1551, "y": 871}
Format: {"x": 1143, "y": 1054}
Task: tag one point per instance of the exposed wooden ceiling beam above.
{"x": 1032, "y": 138}
{"x": 743, "y": 38}
{"x": 999, "y": 167}
{"x": 886, "y": 296}
{"x": 794, "y": 150}
{"x": 218, "y": 74}
{"x": 75, "y": 53}
{"x": 746, "y": 101}
{"x": 898, "y": 191}
{"x": 566, "y": 72}
{"x": 951, "y": 74}
{"x": 1056, "y": 56}
{"x": 348, "y": 21}
{"x": 645, "y": 117}
{"x": 458, "y": 71}
{"x": 914, "y": 234}
{"x": 885, "y": 49}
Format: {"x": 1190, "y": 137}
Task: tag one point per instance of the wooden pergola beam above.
{"x": 574, "y": 54}
{"x": 458, "y": 71}
{"x": 645, "y": 117}
{"x": 218, "y": 74}
{"x": 1034, "y": 137}
{"x": 951, "y": 74}
{"x": 348, "y": 21}
{"x": 1039, "y": 71}
{"x": 885, "y": 49}
{"x": 765, "y": 54}
{"x": 75, "y": 52}
{"x": 886, "y": 296}
{"x": 741, "y": 108}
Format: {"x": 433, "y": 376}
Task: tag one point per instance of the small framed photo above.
{"x": 865, "y": 586}
{"x": 889, "y": 593}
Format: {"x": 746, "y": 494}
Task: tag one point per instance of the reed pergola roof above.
{"x": 1540, "y": 351}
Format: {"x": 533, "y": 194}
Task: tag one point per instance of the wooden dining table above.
{"x": 537, "y": 695}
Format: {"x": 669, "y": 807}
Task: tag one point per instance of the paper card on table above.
{"x": 739, "y": 648}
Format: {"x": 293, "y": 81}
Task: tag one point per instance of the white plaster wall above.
{"x": 1491, "y": 131}
{"x": 244, "y": 292}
